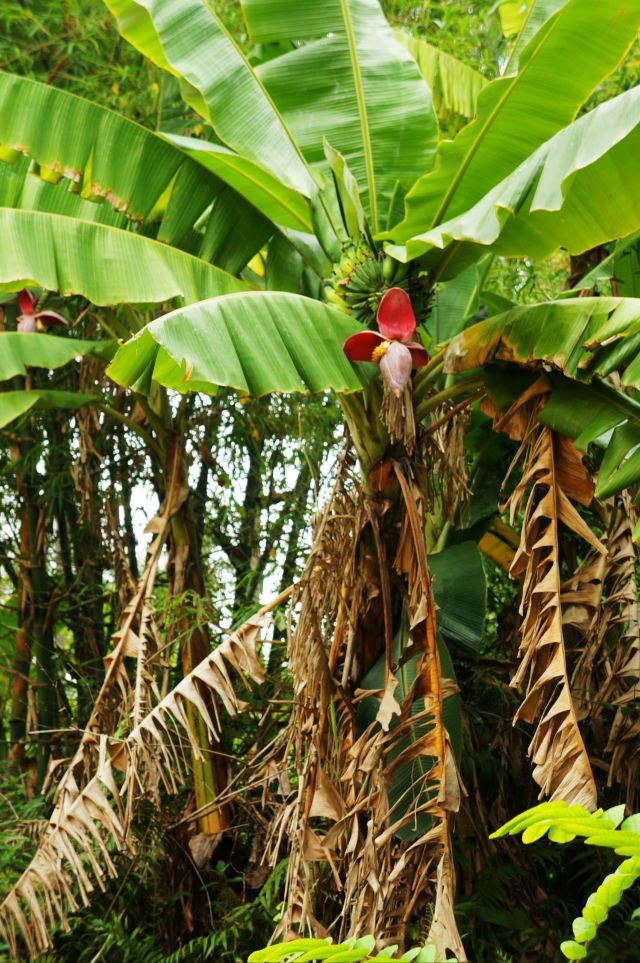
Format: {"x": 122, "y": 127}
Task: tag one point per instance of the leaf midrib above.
{"x": 362, "y": 113}
{"x": 475, "y": 147}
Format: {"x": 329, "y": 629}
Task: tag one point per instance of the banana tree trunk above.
{"x": 378, "y": 783}
{"x": 34, "y": 637}
{"x": 22, "y": 653}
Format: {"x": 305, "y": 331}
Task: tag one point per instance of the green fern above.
{"x": 609, "y": 830}
{"x": 352, "y": 951}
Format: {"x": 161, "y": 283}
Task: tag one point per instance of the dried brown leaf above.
{"x": 562, "y": 767}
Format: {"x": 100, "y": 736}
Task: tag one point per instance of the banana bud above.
{"x": 395, "y": 367}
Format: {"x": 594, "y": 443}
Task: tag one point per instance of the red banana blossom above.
{"x": 31, "y": 320}
{"x": 392, "y": 349}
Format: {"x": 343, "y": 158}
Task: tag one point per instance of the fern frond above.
{"x": 562, "y": 824}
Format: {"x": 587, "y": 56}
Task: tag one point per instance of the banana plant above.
{"x": 323, "y": 155}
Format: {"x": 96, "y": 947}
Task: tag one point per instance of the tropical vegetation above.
{"x": 360, "y": 321}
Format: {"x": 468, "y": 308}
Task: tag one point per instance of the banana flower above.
{"x": 30, "y": 320}
{"x": 391, "y": 346}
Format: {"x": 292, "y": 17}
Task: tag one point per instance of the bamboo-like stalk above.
{"x": 209, "y": 767}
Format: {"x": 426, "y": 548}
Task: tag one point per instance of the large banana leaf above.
{"x": 460, "y": 592}
{"x": 575, "y": 191}
{"x": 103, "y": 155}
{"x": 582, "y": 337}
{"x": 187, "y": 38}
{"x": 521, "y": 19}
{"x": 455, "y": 87}
{"x": 586, "y": 339}
{"x": 355, "y": 86}
{"x": 519, "y": 112}
{"x": 63, "y": 254}
{"x": 166, "y": 189}
{"x": 19, "y": 349}
{"x": 234, "y": 230}
{"x": 19, "y": 189}
{"x": 281, "y": 204}
{"x": 408, "y": 787}
{"x": 256, "y": 342}
{"x": 16, "y": 403}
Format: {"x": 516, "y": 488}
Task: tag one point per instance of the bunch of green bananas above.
{"x": 359, "y": 279}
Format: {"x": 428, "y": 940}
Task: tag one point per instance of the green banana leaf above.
{"x": 460, "y": 592}
{"x": 16, "y": 403}
{"x": 186, "y": 38}
{"x": 104, "y": 156}
{"x": 256, "y": 342}
{"x": 348, "y": 193}
{"x": 457, "y": 300}
{"x": 455, "y": 87}
{"x": 519, "y": 112}
{"x": 521, "y": 19}
{"x": 18, "y": 189}
{"x": 20, "y": 350}
{"x": 235, "y": 231}
{"x": 585, "y": 339}
{"x": 61, "y": 254}
{"x": 354, "y": 85}
{"x": 407, "y": 786}
{"x": 513, "y": 14}
{"x": 582, "y": 337}
{"x": 284, "y": 266}
{"x": 281, "y": 204}
{"x": 574, "y": 191}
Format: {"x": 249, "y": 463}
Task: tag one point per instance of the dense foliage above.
{"x": 391, "y": 598}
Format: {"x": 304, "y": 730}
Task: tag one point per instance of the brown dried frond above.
{"x": 600, "y": 606}
{"x": 553, "y": 473}
{"x": 445, "y": 458}
{"x": 620, "y": 686}
{"x": 350, "y": 872}
{"x": 74, "y": 856}
{"x": 136, "y": 637}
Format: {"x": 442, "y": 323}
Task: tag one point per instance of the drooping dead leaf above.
{"x": 92, "y": 820}
{"x": 351, "y": 833}
{"x": 443, "y": 933}
{"x": 600, "y": 608}
{"x": 562, "y": 768}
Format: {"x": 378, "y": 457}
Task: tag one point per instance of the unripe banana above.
{"x": 389, "y": 268}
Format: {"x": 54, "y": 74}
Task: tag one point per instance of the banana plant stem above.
{"x": 447, "y": 394}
